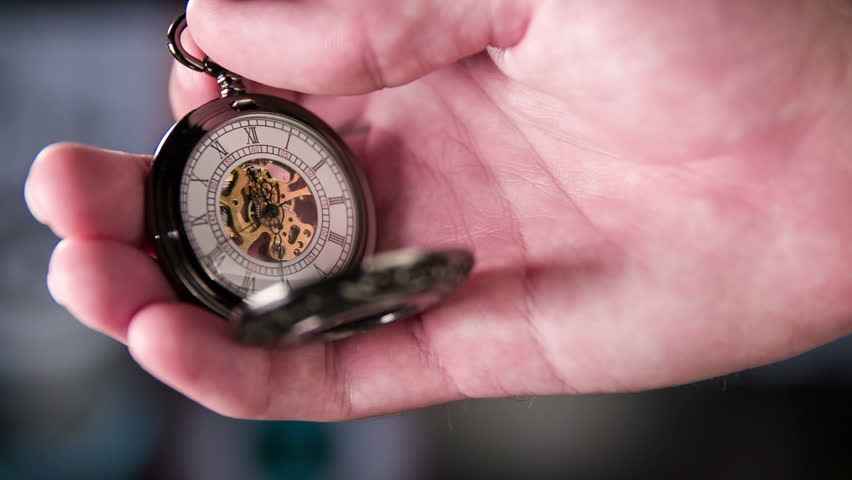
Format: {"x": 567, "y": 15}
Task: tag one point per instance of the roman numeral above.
{"x": 318, "y": 165}
{"x": 288, "y": 141}
{"x": 337, "y": 238}
{"x": 248, "y": 283}
{"x": 215, "y": 257}
{"x": 199, "y": 220}
{"x": 252, "y": 135}
{"x": 219, "y": 148}
{"x": 336, "y": 200}
{"x": 319, "y": 270}
{"x": 195, "y": 178}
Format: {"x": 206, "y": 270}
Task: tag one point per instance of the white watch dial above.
{"x": 263, "y": 200}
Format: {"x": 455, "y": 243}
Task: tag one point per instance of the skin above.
{"x": 656, "y": 192}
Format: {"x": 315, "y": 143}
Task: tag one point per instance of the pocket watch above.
{"x": 259, "y": 212}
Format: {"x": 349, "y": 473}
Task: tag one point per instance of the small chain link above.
{"x": 229, "y": 82}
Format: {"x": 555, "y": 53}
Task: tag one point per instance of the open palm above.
{"x": 656, "y": 192}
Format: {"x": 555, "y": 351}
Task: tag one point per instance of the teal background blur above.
{"x": 73, "y": 405}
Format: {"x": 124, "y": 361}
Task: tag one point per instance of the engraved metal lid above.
{"x": 383, "y": 289}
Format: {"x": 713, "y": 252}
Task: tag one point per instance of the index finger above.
{"x": 342, "y": 47}
{"x": 87, "y": 192}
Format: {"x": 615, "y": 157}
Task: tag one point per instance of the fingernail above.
{"x": 37, "y": 174}
{"x": 32, "y": 203}
{"x": 30, "y": 195}
{"x": 55, "y": 286}
{"x": 54, "y": 289}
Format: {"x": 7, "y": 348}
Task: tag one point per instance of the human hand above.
{"x": 656, "y": 192}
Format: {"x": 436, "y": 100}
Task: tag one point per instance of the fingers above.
{"x": 189, "y": 349}
{"x": 190, "y": 89}
{"x": 86, "y": 192}
{"x": 344, "y": 47}
{"x": 104, "y": 283}
{"x": 194, "y": 352}
{"x": 413, "y": 363}
{"x": 95, "y": 197}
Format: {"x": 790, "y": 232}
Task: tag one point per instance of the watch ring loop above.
{"x": 176, "y": 47}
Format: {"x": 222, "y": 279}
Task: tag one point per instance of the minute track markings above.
{"x": 300, "y": 166}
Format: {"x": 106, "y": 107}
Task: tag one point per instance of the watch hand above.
{"x": 302, "y": 192}
{"x": 252, "y": 224}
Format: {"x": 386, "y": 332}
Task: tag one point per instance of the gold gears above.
{"x": 267, "y": 210}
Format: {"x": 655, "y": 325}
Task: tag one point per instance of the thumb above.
{"x": 344, "y": 47}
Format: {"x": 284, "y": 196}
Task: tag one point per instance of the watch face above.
{"x": 263, "y": 200}
{"x": 262, "y": 197}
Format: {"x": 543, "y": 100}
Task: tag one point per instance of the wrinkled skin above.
{"x": 656, "y": 192}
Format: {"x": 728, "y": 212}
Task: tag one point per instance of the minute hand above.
{"x": 302, "y": 192}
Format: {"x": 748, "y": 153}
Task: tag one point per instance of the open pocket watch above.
{"x": 259, "y": 212}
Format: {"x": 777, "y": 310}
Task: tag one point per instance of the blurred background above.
{"x": 73, "y": 405}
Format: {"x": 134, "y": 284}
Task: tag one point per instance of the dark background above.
{"x": 74, "y": 405}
